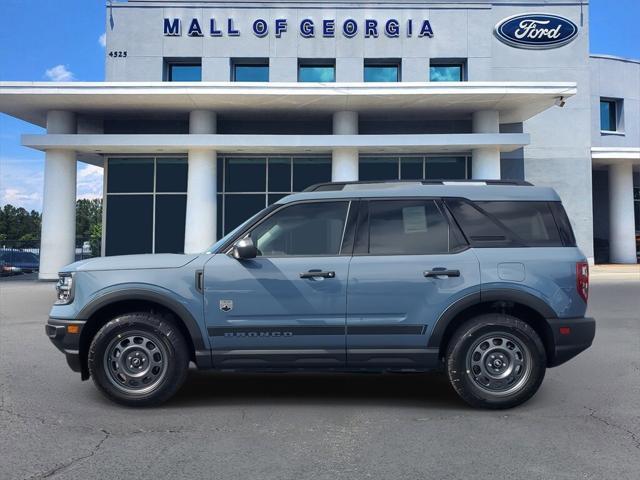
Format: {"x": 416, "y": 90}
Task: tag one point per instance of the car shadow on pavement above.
{"x": 430, "y": 390}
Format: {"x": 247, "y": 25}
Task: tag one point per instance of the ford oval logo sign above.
{"x": 536, "y": 31}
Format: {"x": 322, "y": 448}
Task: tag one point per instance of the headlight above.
{"x": 64, "y": 289}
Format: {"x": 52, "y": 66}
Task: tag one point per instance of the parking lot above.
{"x": 584, "y": 423}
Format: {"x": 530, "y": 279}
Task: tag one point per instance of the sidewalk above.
{"x": 610, "y": 270}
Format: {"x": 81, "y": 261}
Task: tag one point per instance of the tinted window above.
{"x": 317, "y": 73}
{"x": 130, "y": 175}
{"x": 171, "y": 175}
{"x": 309, "y": 171}
{"x": 381, "y": 73}
{"x": 246, "y": 175}
{"x": 183, "y": 72}
{"x": 407, "y": 227}
{"x": 608, "y": 121}
{"x": 498, "y": 223}
{"x": 251, "y": 73}
{"x": 130, "y": 224}
{"x": 170, "y": 220}
{"x": 303, "y": 229}
{"x": 563, "y": 224}
{"x": 237, "y": 208}
{"x": 445, "y": 73}
{"x": 446, "y": 168}
{"x": 384, "y": 168}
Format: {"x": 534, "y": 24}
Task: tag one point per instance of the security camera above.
{"x": 560, "y": 102}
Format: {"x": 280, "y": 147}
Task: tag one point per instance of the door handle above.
{"x": 441, "y": 272}
{"x": 317, "y": 273}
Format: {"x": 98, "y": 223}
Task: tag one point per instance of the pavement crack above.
{"x": 21, "y": 416}
{"x": 65, "y": 466}
{"x": 633, "y": 435}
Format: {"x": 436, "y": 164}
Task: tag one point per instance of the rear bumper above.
{"x": 570, "y": 337}
{"x": 68, "y": 343}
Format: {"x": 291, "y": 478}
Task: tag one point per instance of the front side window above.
{"x": 408, "y": 227}
{"x": 608, "y": 116}
{"x": 305, "y": 229}
{"x": 444, "y": 72}
{"x": 184, "y": 72}
{"x": 317, "y": 72}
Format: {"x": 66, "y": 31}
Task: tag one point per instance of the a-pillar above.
{"x": 201, "y": 221}
{"x": 485, "y": 161}
{"x": 344, "y": 166}
{"x": 58, "y": 231}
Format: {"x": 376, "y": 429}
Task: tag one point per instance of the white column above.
{"x": 622, "y": 242}
{"x": 344, "y": 165}
{"x": 201, "y": 221}
{"x": 485, "y": 162}
{"x": 58, "y": 231}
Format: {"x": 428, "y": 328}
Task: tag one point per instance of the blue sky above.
{"x": 71, "y": 50}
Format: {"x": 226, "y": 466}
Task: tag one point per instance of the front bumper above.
{"x": 570, "y": 337}
{"x": 61, "y": 336}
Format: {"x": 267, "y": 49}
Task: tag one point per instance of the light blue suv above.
{"x": 480, "y": 279}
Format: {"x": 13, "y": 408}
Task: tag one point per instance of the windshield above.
{"x": 214, "y": 248}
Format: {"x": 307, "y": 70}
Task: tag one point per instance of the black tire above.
{"x": 139, "y": 359}
{"x": 495, "y": 361}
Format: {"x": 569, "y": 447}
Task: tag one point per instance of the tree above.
{"x": 88, "y": 214}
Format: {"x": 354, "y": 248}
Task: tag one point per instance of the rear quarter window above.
{"x": 507, "y": 223}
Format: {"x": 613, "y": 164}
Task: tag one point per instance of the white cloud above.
{"x": 89, "y": 181}
{"x": 15, "y": 196}
{"x": 102, "y": 40}
{"x": 59, "y": 73}
{"x": 21, "y": 182}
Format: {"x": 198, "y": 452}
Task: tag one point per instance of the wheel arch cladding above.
{"x": 98, "y": 312}
{"x": 524, "y": 306}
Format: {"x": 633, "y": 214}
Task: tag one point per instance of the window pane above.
{"x": 220, "y": 232}
{"x": 384, "y": 168}
{"x": 411, "y": 168}
{"x": 251, "y": 73}
{"x": 130, "y": 175}
{"x": 185, "y": 73}
{"x": 246, "y": 175}
{"x": 305, "y": 229}
{"x": 279, "y": 175}
{"x": 381, "y": 73}
{"x": 446, "y": 168}
{"x": 407, "y": 227}
{"x": 317, "y": 73}
{"x": 129, "y": 224}
{"x": 531, "y": 222}
{"x": 608, "y": 120}
{"x": 309, "y": 171}
{"x": 445, "y": 73}
{"x": 170, "y": 218}
{"x": 171, "y": 175}
{"x": 219, "y": 173}
{"x": 274, "y": 197}
{"x": 238, "y": 208}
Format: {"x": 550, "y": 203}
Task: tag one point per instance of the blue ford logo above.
{"x": 536, "y": 31}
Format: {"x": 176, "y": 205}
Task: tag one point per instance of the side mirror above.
{"x": 244, "y": 249}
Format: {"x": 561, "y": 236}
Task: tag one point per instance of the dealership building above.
{"x": 212, "y": 110}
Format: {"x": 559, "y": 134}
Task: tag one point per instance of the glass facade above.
{"x": 608, "y": 116}
{"x": 146, "y": 202}
{"x": 415, "y": 167}
{"x": 184, "y": 72}
{"x": 250, "y": 72}
{"x": 381, "y": 73}
{"x": 446, "y": 73}
{"x": 314, "y": 72}
{"x": 246, "y": 185}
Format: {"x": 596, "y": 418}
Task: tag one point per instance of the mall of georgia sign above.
{"x": 536, "y": 31}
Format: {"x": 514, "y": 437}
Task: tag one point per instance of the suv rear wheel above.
{"x": 139, "y": 359}
{"x": 495, "y": 361}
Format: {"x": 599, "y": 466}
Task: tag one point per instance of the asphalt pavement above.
{"x": 584, "y": 423}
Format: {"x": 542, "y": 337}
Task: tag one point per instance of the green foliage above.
{"x": 88, "y": 214}
{"x": 18, "y": 224}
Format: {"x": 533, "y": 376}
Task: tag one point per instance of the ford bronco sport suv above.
{"x": 480, "y": 279}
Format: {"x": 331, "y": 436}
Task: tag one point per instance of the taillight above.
{"x": 582, "y": 280}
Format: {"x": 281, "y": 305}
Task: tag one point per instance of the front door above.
{"x": 409, "y": 265}
{"x": 286, "y": 308}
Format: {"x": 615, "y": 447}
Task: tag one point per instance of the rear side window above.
{"x": 563, "y": 224}
{"x": 409, "y": 227}
{"x": 507, "y": 223}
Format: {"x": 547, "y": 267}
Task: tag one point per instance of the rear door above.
{"x": 410, "y": 263}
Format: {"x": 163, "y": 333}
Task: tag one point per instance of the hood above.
{"x": 131, "y": 262}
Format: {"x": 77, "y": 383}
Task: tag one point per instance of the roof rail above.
{"x": 337, "y": 186}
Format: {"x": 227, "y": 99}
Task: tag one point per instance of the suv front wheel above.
{"x": 139, "y": 359}
{"x": 495, "y": 361}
